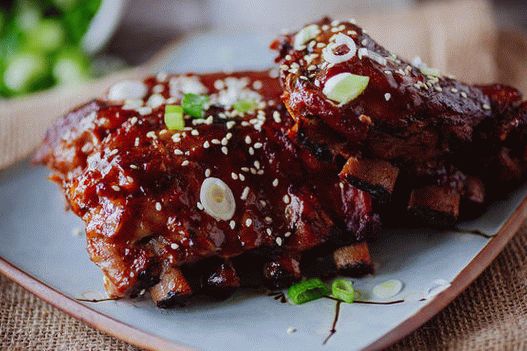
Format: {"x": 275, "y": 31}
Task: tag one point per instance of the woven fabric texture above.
{"x": 490, "y": 315}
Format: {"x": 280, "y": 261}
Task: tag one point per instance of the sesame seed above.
{"x": 387, "y": 96}
{"x": 276, "y": 117}
{"x": 287, "y": 234}
{"x": 234, "y": 176}
{"x": 206, "y": 144}
{"x": 286, "y": 199}
{"x": 207, "y": 172}
{"x": 136, "y": 143}
{"x": 224, "y": 150}
{"x": 199, "y": 205}
{"x": 215, "y": 141}
{"x": 279, "y": 241}
{"x": 178, "y": 152}
{"x": 263, "y": 203}
{"x": 257, "y": 164}
{"x": 230, "y": 124}
{"x": 245, "y": 169}
{"x": 232, "y": 224}
{"x": 258, "y": 145}
{"x": 116, "y": 188}
{"x": 248, "y": 222}
{"x": 174, "y": 246}
{"x": 463, "y": 94}
{"x": 133, "y": 167}
{"x": 268, "y": 220}
{"x": 185, "y": 163}
{"x": 251, "y": 151}
{"x": 275, "y": 182}
{"x": 486, "y": 107}
{"x": 224, "y": 141}
{"x": 248, "y": 140}
{"x": 245, "y": 193}
{"x": 194, "y": 132}
{"x": 241, "y": 176}
{"x": 158, "y": 206}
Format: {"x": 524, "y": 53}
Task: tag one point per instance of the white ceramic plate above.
{"x": 39, "y": 249}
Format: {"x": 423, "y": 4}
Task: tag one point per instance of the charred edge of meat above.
{"x": 221, "y": 282}
{"x": 473, "y": 200}
{"x": 434, "y": 205}
{"x": 321, "y": 151}
{"x": 352, "y": 260}
{"x": 376, "y": 177}
{"x": 281, "y": 272}
{"x": 173, "y": 289}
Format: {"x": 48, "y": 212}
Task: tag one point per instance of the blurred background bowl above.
{"x": 103, "y": 25}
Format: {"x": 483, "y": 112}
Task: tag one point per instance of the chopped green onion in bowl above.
{"x": 71, "y": 66}
{"x": 342, "y": 289}
{"x": 244, "y": 106}
{"x": 48, "y": 35}
{"x": 25, "y": 72}
{"x": 194, "y": 104}
{"x": 344, "y": 87}
{"x": 174, "y": 117}
{"x": 40, "y": 44}
{"x": 307, "y": 290}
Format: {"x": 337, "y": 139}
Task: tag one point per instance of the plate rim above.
{"x": 123, "y": 331}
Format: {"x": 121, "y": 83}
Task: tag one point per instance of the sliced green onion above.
{"x": 244, "y": 106}
{"x": 26, "y": 72}
{"x": 174, "y": 117}
{"x": 47, "y": 36}
{"x": 71, "y": 66}
{"x": 344, "y": 87}
{"x": 429, "y": 71}
{"x": 304, "y": 35}
{"x": 388, "y": 289}
{"x": 194, "y": 104}
{"x": 342, "y": 289}
{"x": 307, "y": 290}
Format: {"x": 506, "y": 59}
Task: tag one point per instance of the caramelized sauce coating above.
{"x": 433, "y": 129}
{"x": 137, "y": 185}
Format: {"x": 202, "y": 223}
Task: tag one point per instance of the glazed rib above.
{"x": 137, "y": 186}
{"x": 427, "y": 144}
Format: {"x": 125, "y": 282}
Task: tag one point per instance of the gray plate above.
{"x": 36, "y": 235}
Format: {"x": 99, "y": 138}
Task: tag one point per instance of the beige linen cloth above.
{"x": 459, "y": 38}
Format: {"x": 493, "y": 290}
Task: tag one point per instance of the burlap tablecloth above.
{"x": 490, "y": 315}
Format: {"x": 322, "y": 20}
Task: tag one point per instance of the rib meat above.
{"x": 137, "y": 187}
{"x": 420, "y": 142}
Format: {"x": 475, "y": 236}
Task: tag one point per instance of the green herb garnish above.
{"x": 342, "y": 289}
{"x": 244, "y": 106}
{"x": 194, "y": 104}
{"x": 307, "y": 290}
{"x": 174, "y": 117}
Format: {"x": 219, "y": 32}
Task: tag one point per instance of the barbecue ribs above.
{"x": 138, "y": 187}
{"x": 421, "y": 143}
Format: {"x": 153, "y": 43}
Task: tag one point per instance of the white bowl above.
{"x": 103, "y": 25}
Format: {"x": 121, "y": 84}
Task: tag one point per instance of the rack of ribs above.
{"x": 425, "y": 146}
{"x": 143, "y": 191}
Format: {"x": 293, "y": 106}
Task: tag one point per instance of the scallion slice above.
{"x": 174, "y": 117}
{"x": 307, "y": 290}
{"x": 344, "y": 87}
{"x": 194, "y": 104}
{"x": 342, "y": 289}
{"x": 244, "y": 106}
